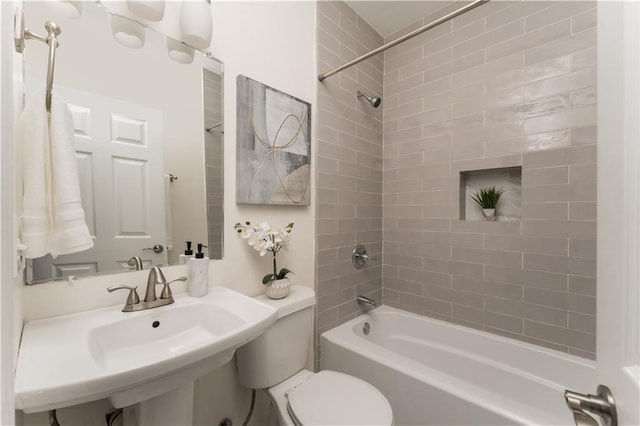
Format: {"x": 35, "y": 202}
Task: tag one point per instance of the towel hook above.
{"x": 22, "y": 34}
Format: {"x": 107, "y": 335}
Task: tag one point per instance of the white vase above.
{"x": 277, "y": 289}
{"x": 489, "y": 214}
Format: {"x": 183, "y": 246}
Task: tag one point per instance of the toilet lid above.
{"x": 332, "y": 398}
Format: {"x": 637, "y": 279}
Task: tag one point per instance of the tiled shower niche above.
{"x": 509, "y": 179}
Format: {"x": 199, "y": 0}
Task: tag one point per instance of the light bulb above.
{"x": 151, "y": 10}
{"x": 68, "y": 8}
{"x": 126, "y": 32}
{"x": 195, "y": 23}
{"x": 178, "y": 51}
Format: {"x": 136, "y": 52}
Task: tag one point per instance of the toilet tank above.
{"x": 282, "y": 350}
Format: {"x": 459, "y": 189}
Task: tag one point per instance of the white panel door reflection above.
{"x": 120, "y": 159}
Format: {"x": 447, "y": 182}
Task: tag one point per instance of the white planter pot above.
{"x": 277, "y": 289}
{"x": 489, "y": 214}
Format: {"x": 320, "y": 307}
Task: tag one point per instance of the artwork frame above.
{"x": 273, "y": 146}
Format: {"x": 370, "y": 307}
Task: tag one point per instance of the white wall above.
{"x": 6, "y": 353}
{"x": 10, "y": 287}
{"x": 271, "y": 42}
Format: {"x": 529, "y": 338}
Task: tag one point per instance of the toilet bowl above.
{"x": 329, "y": 398}
{"x": 275, "y": 362}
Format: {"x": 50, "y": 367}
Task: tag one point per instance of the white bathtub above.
{"x": 436, "y": 373}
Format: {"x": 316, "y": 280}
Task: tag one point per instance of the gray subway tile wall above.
{"x": 214, "y": 160}
{"x": 511, "y": 83}
{"x": 349, "y": 166}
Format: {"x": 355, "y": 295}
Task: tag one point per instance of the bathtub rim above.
{"x": 343, "y": 336}
{"x": 587, "y": 363}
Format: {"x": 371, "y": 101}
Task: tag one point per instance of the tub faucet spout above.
{"x": 366, "y": 302}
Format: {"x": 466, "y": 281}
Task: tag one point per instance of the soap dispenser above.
{"x": 198, "y": 276}
{"x": 188, "y": 254}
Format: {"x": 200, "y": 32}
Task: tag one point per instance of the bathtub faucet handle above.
{"x": 359, "y": 256}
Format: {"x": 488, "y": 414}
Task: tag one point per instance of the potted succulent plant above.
{"x": 487, "y": 198}
{"x": 264, "y": 238}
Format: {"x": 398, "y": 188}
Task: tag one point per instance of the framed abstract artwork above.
{"x": 273, "y": 155}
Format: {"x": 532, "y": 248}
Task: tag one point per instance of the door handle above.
{"x": 156, "y": 248}
{"x": 602, "y": 404}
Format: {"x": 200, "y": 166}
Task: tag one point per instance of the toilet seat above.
{"x": 332, "y": 398}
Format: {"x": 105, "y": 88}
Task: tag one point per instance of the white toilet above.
{"x": 275, "y": 361}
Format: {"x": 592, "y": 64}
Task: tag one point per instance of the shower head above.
{"x": 373, "y": 100}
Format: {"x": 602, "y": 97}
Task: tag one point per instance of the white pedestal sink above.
{"x": 169, "y": 409}
{"x": 135, "y": 356}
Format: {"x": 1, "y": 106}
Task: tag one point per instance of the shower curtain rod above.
{"x": 405, "y": 37}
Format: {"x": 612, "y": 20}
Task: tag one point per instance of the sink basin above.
{"x": 131, "y": 357}
{"x": 140, "y": 340}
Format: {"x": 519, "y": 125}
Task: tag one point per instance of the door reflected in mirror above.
{"x": 149, "y": 144}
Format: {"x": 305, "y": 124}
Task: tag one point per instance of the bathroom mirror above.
{"x": 149, "y": 142}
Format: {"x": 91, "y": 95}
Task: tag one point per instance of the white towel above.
{"x": 53, "y": 219}
{"x": 70, "y": 232}
{"x": 168, "y": 211}
{"x": 34, "y": 136}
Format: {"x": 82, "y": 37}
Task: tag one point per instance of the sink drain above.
{"x": 155, "y": 324}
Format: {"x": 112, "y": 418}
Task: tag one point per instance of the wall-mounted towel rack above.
{"x": 22, "y": 34}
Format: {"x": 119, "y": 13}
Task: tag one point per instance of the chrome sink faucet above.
{"x": 156, "y": 277}
{"x": 135, "y": 262}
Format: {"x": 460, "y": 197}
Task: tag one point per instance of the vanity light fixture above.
{"x": 68, "y": 8}
{"x": 178, "y": 51}
{"x": 196, "y": 23}
{"x": 127, "y": 32}
{"x": 150, "y": 10}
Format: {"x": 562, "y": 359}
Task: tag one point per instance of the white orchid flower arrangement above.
{"x": 265, "y": 238}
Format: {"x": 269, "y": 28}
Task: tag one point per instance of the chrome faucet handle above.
{"x": 132, "y": 299}
{"x": 359, "y": 256}
{"x": 166, "y": 290}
